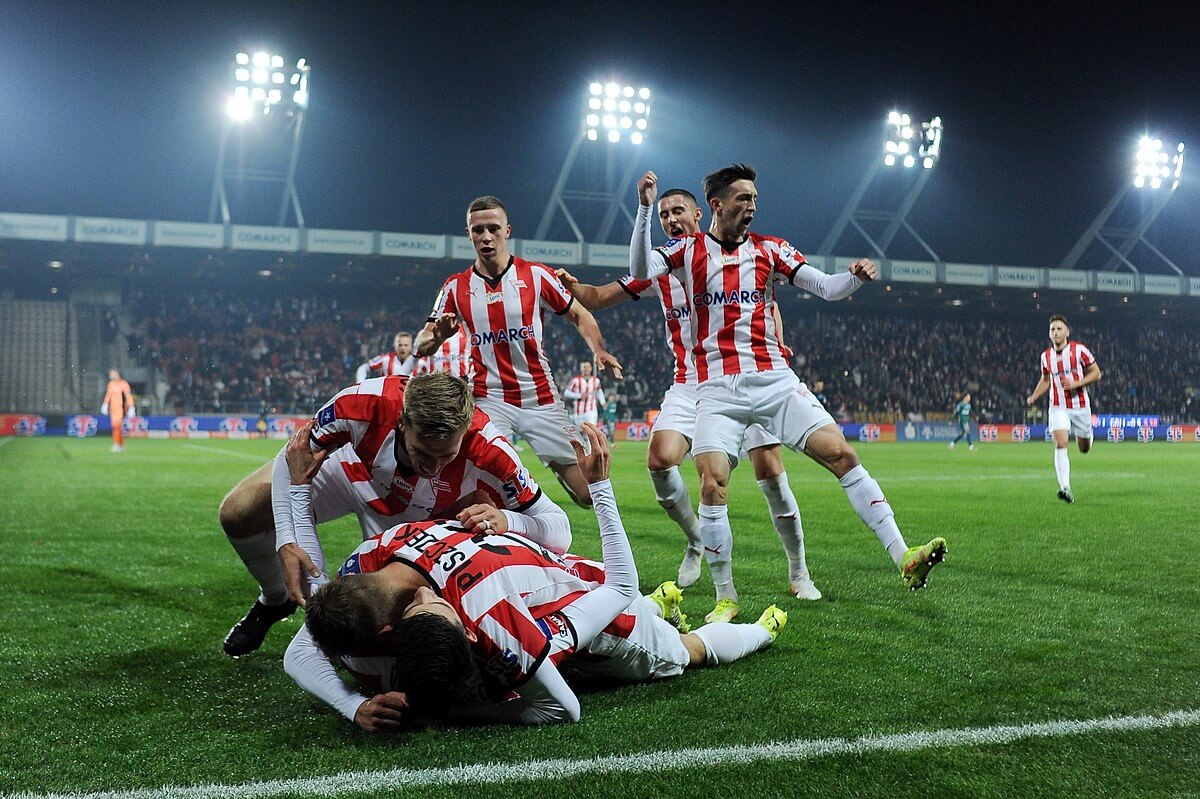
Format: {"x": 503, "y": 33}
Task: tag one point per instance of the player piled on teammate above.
{"x": 674, "y": 427}
{"x": 453, "y": 357}
{"x": 399, "y": 361}
{"x": 499, "y": 302}
{"x": 962, "y": 417}
{"x": 1067, "y": 367}
{"x": 447, "y": 604}
{"x": 118, "y": 404}
{"x": 584, "y": 391}
{"x": 743, "y": 374}
{"x": 387, "y": 454}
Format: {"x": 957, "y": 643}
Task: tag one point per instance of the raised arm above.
{"x": 834, "y": 287}
{"x": 644, "y": 262}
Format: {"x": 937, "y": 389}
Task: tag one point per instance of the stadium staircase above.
{"x": 38, "y": 357}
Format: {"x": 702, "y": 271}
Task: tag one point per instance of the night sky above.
{"x": 116, "y": 110}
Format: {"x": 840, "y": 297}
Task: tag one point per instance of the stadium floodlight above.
{"x": 258, "y": 86}
{"x": 923, "y": 142}
{"x": 626, "y": 112}
{"x": 262, "y": 85}
{"x": 1156, "y": 164}
{"x": 592, "y": 195}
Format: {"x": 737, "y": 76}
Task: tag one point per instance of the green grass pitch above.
{"x": 118, "y": 588}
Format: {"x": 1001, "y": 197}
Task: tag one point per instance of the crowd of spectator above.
{"x": 223, "y": 353}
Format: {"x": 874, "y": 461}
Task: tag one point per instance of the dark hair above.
{"x": 680, "y": 193}
{"x": 722, "y": 179}
{"x": 486, "y": 203}
{"x": 438, "y": 406}
{"x": 344, "y": 617}
{"x": 1060, "y": 318}
{"x": 433, "y": 663}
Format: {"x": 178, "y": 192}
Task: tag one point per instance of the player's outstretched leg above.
{"x": 667, "y": 598}
{"x": 724, "y": 642}
{"x": 918, "y": 561}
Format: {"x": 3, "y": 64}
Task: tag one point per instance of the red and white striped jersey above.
{"x": 585, "y": 392}
{"x": 452, "y": 357}
{"x": 677, "y": 315}
{"x": 506, "y": 589}
{"x": 365, "y": 417}
{"x": 731, "y": 291}
{"x": 389, "y": 363}
{"x": 1072, "y": 362}
{"x": 503, "y": 319}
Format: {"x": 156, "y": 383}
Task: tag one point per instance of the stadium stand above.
{"x": 37, "y": 356}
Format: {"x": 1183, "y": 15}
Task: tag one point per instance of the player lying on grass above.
{"x": 387, "y": 453}
{"x": 476, "y": 626}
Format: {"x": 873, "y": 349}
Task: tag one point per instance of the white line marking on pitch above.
{"x": 4, "y": 442}
{"x": 676, "y": 760}
{"x": 233, "y": 453}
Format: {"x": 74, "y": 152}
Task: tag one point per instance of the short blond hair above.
{"x": 438, "y": 406}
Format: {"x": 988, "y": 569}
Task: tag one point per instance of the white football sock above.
{"x": 718, "y": 547}
{"x": 785, "y": 514}
{"x": 725, "y": 642}
{"x": 258, "y": 553}
{"x": 672, "y": 493}
{"x": 872, "y": 507}
{"x": 1062, "y": 468}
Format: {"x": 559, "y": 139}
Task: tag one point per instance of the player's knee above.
{"x": 243, "y": 514}
{"x": 656, "y": 462}
{"x": 714, "y": 489}
{"x": 841, "y": 459}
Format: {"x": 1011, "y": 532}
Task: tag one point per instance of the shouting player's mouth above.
{"x": 675, "y": 229}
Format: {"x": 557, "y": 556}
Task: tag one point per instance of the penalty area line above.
{"x": 671, "y": 760}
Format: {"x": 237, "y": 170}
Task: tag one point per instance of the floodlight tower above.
{"x": 272, "y": 98}
{"x": 907, "y": 147}
{"x": 614, "y": 123}
{"x": 1157, "y": 167}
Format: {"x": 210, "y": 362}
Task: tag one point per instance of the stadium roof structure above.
{"x": 142, "y": 234}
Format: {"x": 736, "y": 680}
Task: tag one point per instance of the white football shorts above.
{"x": 1077, "y": 420}
{"x": 547, "y": 428}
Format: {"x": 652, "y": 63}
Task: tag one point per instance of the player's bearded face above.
{"x": 1058, "y": 333}
{"x": 430, "y": 455}
{"x": 403, "y": 347}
